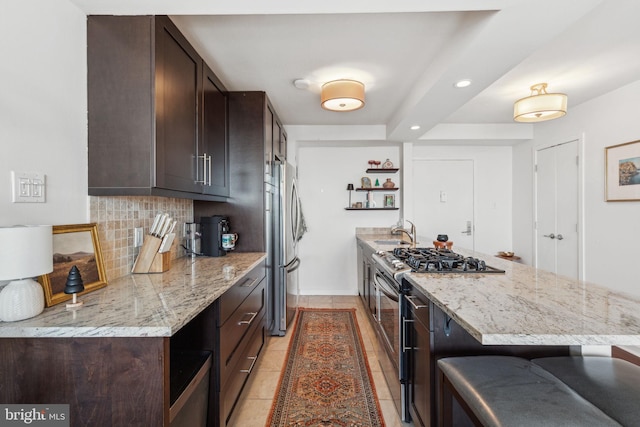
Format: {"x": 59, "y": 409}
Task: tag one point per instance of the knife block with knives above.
{"x": 155, "y": 253}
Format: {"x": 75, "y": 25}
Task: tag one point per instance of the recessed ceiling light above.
{"x": 302, "y": 83}
{"x": 415, "y": 127}
{"x": 462, "y": 83}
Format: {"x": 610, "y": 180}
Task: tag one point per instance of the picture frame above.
{"x": 366, "y": 182}
{"x": 389, "y": 201}
{"x": 622, "y": 172}
{"x": 74, "y": 244}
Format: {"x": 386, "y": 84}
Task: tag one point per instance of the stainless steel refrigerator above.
{"x": 286, "y": 221}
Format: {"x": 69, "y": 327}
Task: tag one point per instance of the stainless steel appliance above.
{"x": 392, "y": 309}
{"x": 286, "y": 223}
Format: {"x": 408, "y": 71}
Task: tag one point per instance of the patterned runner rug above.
{"x": 326, "y": 380}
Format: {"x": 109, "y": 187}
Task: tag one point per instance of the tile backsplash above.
{"x": 118, "y": 216}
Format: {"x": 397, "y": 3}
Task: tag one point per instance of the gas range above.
{"x": 431, "y": 260}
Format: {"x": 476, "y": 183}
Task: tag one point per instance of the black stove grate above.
{"x": 432, "y": 260}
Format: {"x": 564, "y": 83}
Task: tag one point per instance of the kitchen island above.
{"x": 525, "y": 305}
{"x": 522, "y": 312}
{"x": 113, "y": 359}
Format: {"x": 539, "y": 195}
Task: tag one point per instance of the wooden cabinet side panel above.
{"x": 105, "y": 381}
{"x": 120, "y": 101}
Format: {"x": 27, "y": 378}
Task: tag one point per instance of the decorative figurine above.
{"x": 387, "y": 165}
{"x": 377, "y": 183}
{"x": 389, "y": 184}
{"x": 74, "y": 286}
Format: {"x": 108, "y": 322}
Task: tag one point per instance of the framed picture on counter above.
{"x": 78, "y": 245}
{"x": 389, "y": 201}
{"x": 622, "y": 172}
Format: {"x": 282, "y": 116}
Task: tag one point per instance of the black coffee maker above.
{"x": 211, "y": 229}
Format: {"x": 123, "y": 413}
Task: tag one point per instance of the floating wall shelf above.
{"x": 382, "y": 170}
{"x": 371, "y": 209}
{"x": 377, "y": 189}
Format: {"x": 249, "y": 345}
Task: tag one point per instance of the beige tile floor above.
{"x": 255, "y": 405}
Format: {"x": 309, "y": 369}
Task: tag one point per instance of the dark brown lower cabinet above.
{"x": 105, "y": 381}
{"x": 434, "y": 335}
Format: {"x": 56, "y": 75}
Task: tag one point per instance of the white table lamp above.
{"x": 25, "y": 252}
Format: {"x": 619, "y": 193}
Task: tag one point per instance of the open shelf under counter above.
{"x": 377, "y": 189}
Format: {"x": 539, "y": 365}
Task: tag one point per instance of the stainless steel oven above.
{"x": 389, "y": 327}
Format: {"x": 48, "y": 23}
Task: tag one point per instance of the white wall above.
{"x": 328, "y": 249}
{"x": 612, "y": 229}
{"x": 43, "y": 108}
{"x": 492, "y": 191}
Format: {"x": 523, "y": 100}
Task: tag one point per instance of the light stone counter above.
{"x": 525, "y": 305}
{"x": 142, "y": 305}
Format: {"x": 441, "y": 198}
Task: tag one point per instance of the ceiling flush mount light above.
{"x": 415, "y": 127}
{"x": 462, "y": 83}
{"x": 342, "y": 95}
{"x": 540, "y": 106}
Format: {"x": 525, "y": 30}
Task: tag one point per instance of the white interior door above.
{"x": 557, "y": 209}
{"x": 443, "y": 201}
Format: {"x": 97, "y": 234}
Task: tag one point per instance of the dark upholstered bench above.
{"x": 613, "y": 385}
{"x": 511, "y": 391}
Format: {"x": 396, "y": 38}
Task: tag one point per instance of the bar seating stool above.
{"x": 611, "y": 384}
{"x": 511, "y": 391}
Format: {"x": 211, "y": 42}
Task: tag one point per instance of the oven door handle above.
{"x": 384, "y": 287}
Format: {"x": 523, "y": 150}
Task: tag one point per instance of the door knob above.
{"x": 560, "y": 237}
{"x": 551, "y": 236}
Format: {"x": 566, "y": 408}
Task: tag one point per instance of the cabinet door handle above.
{"x": 253, "y": 362}
{"x": 560, "y": 237}
{"x": 551, "y": 236}
{"x": 248, "y": 282}
{"x": 248, "y": 322}
{"x": 204, "y": 170}
{"x": 209, "y": 182}
{"x": 415, "y": 306}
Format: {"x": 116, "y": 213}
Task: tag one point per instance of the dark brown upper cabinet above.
{"x": 157, "y": 113}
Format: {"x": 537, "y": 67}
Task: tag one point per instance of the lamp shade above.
{"x": 342, "y": 95}
{"x": 349, "y": 186}
{"x": 25, "y": 251}
{"x": 540, "y": 106}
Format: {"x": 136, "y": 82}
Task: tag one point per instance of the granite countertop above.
{"x": 142, "y": 305}
{"x": 526, "y": 306}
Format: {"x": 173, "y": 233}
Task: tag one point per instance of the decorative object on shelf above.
{"x": 74, "y": 286}
{"x": 387, "y": 164}
{"x": 75, "y": 244}
{"x": 370, "y": 202}
{"x": 389, "y": 184}
{"x": 358, "y": 205}
{"x": 622, "y": 172}
{"x": 366, "y": 182}
{"x": 371, "y": 163}
{"x": 25, "y": 252}
{"x": 540, "y": 105}
{"x": 377, "y": 183}
{"x": 349, "y": 189}
{"x": 342, "y": 95}
{"x": 389, "y": 201}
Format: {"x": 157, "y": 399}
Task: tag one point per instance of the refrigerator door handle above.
{"x": 292, "y": 265}
{"x": 295, "y": 212}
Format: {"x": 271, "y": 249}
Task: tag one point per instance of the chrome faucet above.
{"x": 411, "y": 234}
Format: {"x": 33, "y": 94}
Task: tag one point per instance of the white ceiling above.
{"x": 409, "y": 53}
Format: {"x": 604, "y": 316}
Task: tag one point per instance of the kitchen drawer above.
{"x": 233, "y": 334}
{"x": 230, "y": 393}
{"x": 233, "y": 297}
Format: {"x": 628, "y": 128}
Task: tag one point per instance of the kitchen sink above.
{"x": 391, "y": 242}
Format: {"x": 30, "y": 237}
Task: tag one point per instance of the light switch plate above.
{"x": 138, "y": 238}
{"x": 28, "y": 187}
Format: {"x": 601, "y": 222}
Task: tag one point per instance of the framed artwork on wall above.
{"x": 622, "y": 172}
{"x": 77, "y": 245}
{"x": 389, "y": 201}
